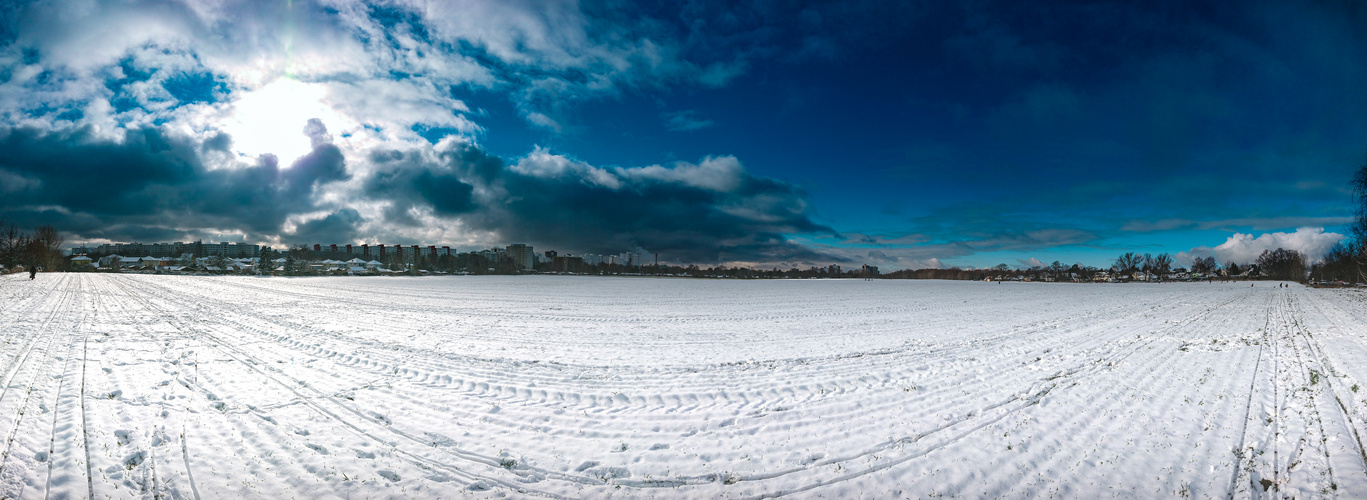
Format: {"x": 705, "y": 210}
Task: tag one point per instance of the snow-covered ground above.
{"x": 197, "y": 387}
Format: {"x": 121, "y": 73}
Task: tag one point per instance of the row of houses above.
{"x": 629, "y": 259}
{"x": 161, "y": 256}
{"x": 174, "y": 250}
{"x": 247, "y": 250}
{"x": 216, "y": 264}
{"x": 382, "y": 251}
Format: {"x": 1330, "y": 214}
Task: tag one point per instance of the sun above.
{"x": 271, "y": 119}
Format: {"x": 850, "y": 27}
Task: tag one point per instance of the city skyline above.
{"x": 769, "y": 134}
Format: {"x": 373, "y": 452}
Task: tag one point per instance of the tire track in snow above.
{"x": 1310, "y": 457}
{"x": 827, "y": 415}
{"x": 1323, "y": 370}
{"x": 1336, "y": 372}
{"x": 1243, "y": 453}
{"x": 57, "y": 408}
{"x": 1129, "y": 347}
{"x": 856, "y": 381}
{"x": 668, "y": 378}
{"x": 313, "y": 402}
{"x": 1072, "y": 377}
{"x": 14, "y": 482}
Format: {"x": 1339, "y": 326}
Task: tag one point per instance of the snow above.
{"x": 220, "y": 387}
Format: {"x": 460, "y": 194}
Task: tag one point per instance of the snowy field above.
{"x": 196, "y": 387}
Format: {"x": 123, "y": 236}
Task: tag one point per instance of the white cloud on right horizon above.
{"x": 1240, "y": 248}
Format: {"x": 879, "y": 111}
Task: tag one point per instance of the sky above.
{"x": 899, "y": 134}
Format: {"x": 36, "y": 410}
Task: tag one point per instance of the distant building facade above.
{"x": 522, "y": 256}
{"x": 176, "y": 249}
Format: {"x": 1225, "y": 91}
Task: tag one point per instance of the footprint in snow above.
{"x": 134, "y": 459}
{"x": 388, "y": 474}
{"x": 440, "y": 440}
{"x": 318, "y": 448}
{"x": 606, "y": 473}
{"x": 440, "y": 477}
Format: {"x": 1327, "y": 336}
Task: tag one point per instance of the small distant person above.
{"x": 32, "y": 272}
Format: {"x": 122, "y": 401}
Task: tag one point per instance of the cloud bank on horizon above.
{"x": 1242, "y": 248}
{"x": 787, "y": 134}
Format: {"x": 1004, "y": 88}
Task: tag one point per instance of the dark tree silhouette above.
{"x": 1282, "y": 264}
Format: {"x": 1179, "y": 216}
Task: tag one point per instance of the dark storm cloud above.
{"x": 447, "y": 194}
{"x": 684, "y": 222}
{"x": 337, "y": 226}
{"x": 153, "y": 185}
{"x": 408, "y": 180}
{"x": 711, "y": 212}
{"x": 152, "y": 180}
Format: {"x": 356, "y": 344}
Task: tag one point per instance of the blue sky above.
{"x": 768, "y": 133}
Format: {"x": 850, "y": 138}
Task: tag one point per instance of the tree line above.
{"x": 1347, "y": 261}
{"x": 41, "y": 248}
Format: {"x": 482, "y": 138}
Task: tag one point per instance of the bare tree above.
{"x": 1282, "y": 264}
{"x": 46, "y": 248}
{"x": 1205, "y": 265}
{"x": 1128, "y": 263}
{"x": 13, "y": 246}
{"x": 1357, "y": 231}
{"x": 1339, "y": 264}
{"x": 1056, "y": 269}
{"x": 1158, "y": 265}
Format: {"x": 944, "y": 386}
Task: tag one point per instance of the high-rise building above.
{"x": 521, "y": 255}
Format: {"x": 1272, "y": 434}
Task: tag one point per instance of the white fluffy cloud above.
{"x": 386, "y": 66}
{"x": 1240, "y": 248}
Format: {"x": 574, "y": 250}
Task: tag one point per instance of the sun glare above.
{"x": 271, "y": 119}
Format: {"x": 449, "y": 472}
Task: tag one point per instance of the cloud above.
{"x": 390, "y": 65}
{"x": 1241, "y": 248}
{"x": 685, "y": 121}
{"x": 1031, "y": 262}
{"x": 711, "y": 211}
{"x": 1262, "y": 223}
{"x": 155, "y": 181}
{"x": 1004, "y": 225}
{"x": 340, "y": 225}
